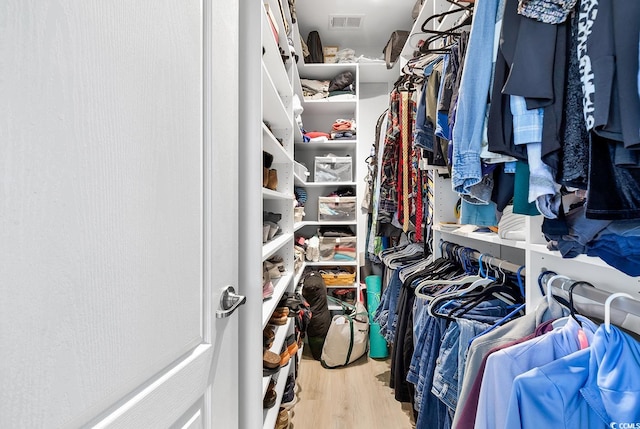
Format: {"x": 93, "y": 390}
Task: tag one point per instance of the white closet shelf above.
{"x": 589, "y": 260}
{"x": 269, "y": 194}
{"x": 281, "y": 334}
{"x": 271, "y": 415}
{"x": 279, "y": 287}
{"x": 324, "y": 184}
{"x": 302, "y": 224}
{"x": 332, "y": 263}
{"x": 329, "y": 144}
{"x": 271, "y": 247}
{"x": 277, "y": 114}
{"x": 326, "y": 70}
{"x": 487, "y": 237}
{"x": 351, "y": 286}
{"x": 345, "y": 109}
{"x": 271, "y": 57}
{"x": 272, "y": 145}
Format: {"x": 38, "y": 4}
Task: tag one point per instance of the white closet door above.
{"x": 113, "y": 247}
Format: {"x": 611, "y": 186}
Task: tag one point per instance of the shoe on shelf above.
{"x": 265, "y": 177}
{"x": 273, "y": 230}
{"x": 265, "y": 232}
{"x": 272, "y": 269}
{"x": 292, "y": 344}
{"x": 269, "y": 399}
{"x": 283, "y": 419}
{"x": 278, "y": 320}
{"x": 270, "y": 363}
{"x": 268, "y": 335}
{"x": 267, "y": 285}
{"x": 272, "y": 182}
{"x": 267, "y": 291}
{"x": 285, "y": 357}
{"x": 267, "y": 159}
{"x": 278, "y": 262}
{"x": 271, "y": 217}
{"x": 270, "y": 360}
{"x": 289, "y": 398}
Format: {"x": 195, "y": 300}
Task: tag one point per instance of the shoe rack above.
{"x": 279, "y": 131}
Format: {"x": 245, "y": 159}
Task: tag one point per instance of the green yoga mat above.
{"x": 377, "y": 344}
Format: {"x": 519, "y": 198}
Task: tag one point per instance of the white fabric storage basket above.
{"x": 301, "y": 171}
{"x": 333, "y": 169}
{"x": 338, "y": 248}
{"x": 331, "y": 209}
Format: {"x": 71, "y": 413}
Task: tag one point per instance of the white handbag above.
{"x": 348, "y": 337}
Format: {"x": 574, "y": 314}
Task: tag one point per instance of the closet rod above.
{"x": 589, "y": 301}
{"x": 497, "y": 263}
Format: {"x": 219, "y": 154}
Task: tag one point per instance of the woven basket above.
{"x": 342, "y": 277}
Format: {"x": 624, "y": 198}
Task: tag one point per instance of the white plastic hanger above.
{"x": 607, "y": 308}
{"x": 550, "y": 287}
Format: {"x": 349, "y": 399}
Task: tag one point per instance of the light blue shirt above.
{"x": 505, "y": 365}
{"x": 527, "y": 124}
{"x": 594, "y": 388}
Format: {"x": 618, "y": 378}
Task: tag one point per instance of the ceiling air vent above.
{"x": 345, "y": 22}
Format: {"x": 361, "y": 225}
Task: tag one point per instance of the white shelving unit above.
{"x": 279, "y": 133}
{"x": 319, "y": 115}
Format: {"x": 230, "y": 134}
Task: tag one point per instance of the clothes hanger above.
{"x": 415, "y": 267}
{"x": 474, "y": 281}
{"x": 572, "y": 308}
{"x": 607, "y": 308}
{"x": 550, "y": 281}
{"x": 442, "y": 15}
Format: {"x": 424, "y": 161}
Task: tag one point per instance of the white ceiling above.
{"x": 381, "y": 17}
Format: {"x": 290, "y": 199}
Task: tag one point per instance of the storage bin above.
{"x": 338, "y": 248}
{"x": 301, "y": 171}
{"x": 343, "y": 276}
{"x": 331, "y": 209}
{"x": 333, "y": 169}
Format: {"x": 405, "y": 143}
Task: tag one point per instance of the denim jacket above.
{"x": 594, "y": 388}
{"x": 471, "y": 111}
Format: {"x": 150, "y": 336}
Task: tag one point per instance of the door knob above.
{"x": 229, "y": 301}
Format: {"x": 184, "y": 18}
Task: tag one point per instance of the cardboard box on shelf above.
{"x": 329, "y": 50}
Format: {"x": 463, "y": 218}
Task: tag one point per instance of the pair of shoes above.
{"x": 269, "y": 399}
{"x": 275, "y": 270}
{"x": 270, "y": 178}
{"x": 269, "y": 175}
{"x": 285, "y": 357}
{"x": 270, "y": 363}
{"x": 289, "y": 396}
{"x": 268, "y": 335}
{"x": 283, "y": 419}
{"x": 289, "y": 350}
{"x": 271, "y": 217}
{"x": 275, "y": 266}
{"x": 267, "y": 285}
{"x": 269, "y": 230}
{"x": 280, "y": 316}
{"x": 292, "y": 344}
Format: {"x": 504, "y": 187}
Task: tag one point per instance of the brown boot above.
{"x": 265, "y": 177}
{"x": 273, "y": 180}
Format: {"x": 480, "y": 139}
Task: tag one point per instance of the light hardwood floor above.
{"x": 355, "y": 397}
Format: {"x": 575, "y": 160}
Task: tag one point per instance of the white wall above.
{"x": 374, "y": 99}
